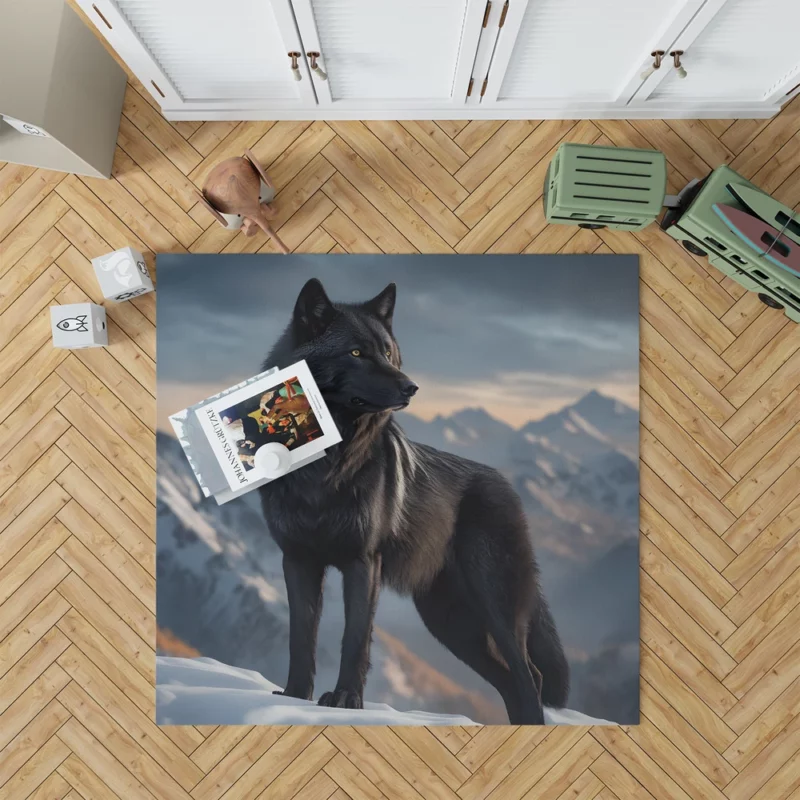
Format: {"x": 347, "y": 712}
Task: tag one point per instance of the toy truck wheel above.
{"x": 592, "y": 226}
{"x": 693, "y": 248}
{"x": 769, "y": 301}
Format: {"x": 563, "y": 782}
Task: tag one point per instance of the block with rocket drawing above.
{"x": 78, "y": 325}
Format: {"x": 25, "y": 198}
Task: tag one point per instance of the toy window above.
{"x": 790, "y": 224}
{"x": 791, "y": 296}
{"x": 775, "y": 244}
{"x": 715, "y": 243}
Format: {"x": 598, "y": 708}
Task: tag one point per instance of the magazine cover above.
{"x": 283, "y": 408}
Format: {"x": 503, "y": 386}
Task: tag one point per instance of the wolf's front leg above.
{"x": 304, "y": 588}
{"x": 362, "y": 583}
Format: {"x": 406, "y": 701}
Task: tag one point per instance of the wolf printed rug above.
{"x": 466, "y": 553}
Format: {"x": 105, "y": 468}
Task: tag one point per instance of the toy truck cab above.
{"x": 702, "y": 232}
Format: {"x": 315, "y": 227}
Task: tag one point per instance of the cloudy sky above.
{"x": 518, "y": 335}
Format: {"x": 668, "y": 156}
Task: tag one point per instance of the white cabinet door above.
{"x": 390, "y": 54}
{"x": 208, "y": 54}
{"x": 735, "y": 51}
{"x": 579, "y": 53}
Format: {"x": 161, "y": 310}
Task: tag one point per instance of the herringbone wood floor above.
{"x": 720, "y": 687}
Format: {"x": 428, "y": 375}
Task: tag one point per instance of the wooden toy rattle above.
{"x": 238, "y": 192}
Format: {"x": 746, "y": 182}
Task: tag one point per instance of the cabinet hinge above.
{"x": 483, "y": 88}
{"x": 503, "y": 15}
{"x": 486, "y": 13}
{"x": 469, "y": 88}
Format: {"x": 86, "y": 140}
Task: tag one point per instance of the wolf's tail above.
{"x": 547, "y": 654}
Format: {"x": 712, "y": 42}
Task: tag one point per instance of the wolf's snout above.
{"x": 408, "y": 388}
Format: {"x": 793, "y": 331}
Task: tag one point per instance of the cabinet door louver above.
{"x": 579, "y": 50}
{"x": 212, "y": 50}
{"x": 380, "y": 49}
{"x": 747, "y": 51}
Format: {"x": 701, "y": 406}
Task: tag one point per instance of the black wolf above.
{"x": 448, "y": 531}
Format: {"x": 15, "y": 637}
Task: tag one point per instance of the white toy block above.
{"x": 122, "y": 274}
{"x": 79, "y": 325}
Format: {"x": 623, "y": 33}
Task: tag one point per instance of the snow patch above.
{"x": 587, "y": 427}
{"x": 397, "y": 679}
{"x": 450, "y": 436}
{"x": 181, "y": 506}
{"x": 202, "y": 691}
{"x": 546, "y": 467}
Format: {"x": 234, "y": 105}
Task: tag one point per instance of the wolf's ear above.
{"x": 383, "y": 304}
{"x": 313, "y": 311}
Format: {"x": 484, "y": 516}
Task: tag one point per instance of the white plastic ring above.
{"x": 273, "y": 460}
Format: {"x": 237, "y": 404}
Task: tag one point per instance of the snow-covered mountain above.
{"x": 220, "y": 581}
{"x": 576, "y": 470}
{"x": 591, "y": 426}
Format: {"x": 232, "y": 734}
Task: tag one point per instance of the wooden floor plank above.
{"x": 371, "y": 221}
{"x": 123, "y": 638}
{"x": 437, "y": 143}
{"x": 777, "y": 570}
{"x": 83, "y": 526}
{"x": 685, "y": 556}
{"x": 156, "y": 164}
{"x": 27, "y": 527}
{"x": 678, "y": 732}
{"x": 141, "y": 186}
{"x": 12, "y": 176}
{"x": 119, "y": 743}
{"x": 435, "y": 213}
{"x": 30, "y": 267}
{"x": 493, "y": 152}
{"x": 159, "y": 131}
{"x": 31, "y": 629}
{"x": 536, "y": 146}
{"x": 28, "y": 233}
{"x": 765, "y": 619}
{"x": 419, "y": 161}
{"x": 678, "y": 452}
{"x": 675, "y": 583}
{"x": 85, "y": 782}
{"x": 26, "y": 198}
{"x": 386, "y": 200}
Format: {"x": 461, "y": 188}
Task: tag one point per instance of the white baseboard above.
{"x": 650, "y": 111}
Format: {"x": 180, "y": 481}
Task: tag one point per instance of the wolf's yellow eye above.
{"x": 388, "y": 354}
{"x": 355, "y": 353}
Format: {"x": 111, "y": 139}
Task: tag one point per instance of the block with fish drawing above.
{"x": 122, "y": 274}
{"x": 79, "y": 325}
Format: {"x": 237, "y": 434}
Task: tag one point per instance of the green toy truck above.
{"x": 612, "y": 187}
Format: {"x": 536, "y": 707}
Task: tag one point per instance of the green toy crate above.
{"x": 598, "y": 187}
{"x": 696, "y": 225}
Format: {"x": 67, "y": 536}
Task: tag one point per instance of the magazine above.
{"x": 282, "y": 407}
